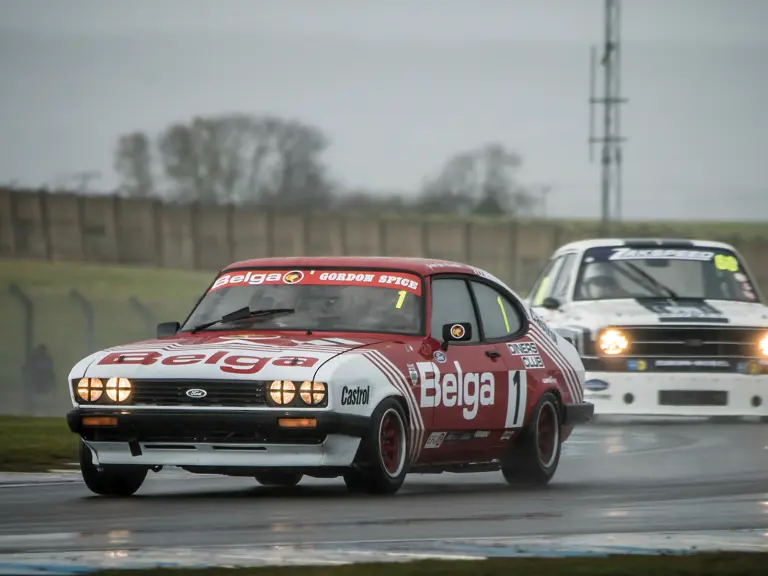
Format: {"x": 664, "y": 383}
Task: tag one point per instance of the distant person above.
{"x": 39, "y": 379}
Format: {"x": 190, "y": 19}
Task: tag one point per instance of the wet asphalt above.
{"x": 649, "y": 476}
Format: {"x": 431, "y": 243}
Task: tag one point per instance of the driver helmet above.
{"x": 599, "y": 281}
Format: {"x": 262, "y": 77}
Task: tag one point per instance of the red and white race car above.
{"x": 366, "y": 368}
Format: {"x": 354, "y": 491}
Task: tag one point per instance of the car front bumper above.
{"x": 220, "y": 440}
{"x": 677, "y": 393}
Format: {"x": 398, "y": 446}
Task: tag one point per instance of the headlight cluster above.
{"x": 764, "y": 345}
{"x": 612, "y": 342}
{"x": 285, "y": 392}
{"x": 116, "y": 390}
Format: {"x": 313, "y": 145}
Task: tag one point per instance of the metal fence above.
{"x": 44, "y": 334}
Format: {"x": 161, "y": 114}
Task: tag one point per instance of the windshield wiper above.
{"x": 242, "y": 314}
{"x": 658, "y": 285}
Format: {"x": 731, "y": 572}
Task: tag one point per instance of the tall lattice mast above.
{"x": 611, "y": 139}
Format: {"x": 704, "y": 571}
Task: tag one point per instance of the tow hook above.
{"x": 156, "y": 468}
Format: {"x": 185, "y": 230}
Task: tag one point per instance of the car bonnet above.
{"x": 225, "y": 357}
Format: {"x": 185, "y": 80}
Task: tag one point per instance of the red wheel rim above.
{"x": 390, "y": 436}
{"x": 548, "y": 434}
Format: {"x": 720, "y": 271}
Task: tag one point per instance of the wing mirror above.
{"x": 457, "y": 332}
{"x": 551, "y": 303}
{"x": 167, "y": 329}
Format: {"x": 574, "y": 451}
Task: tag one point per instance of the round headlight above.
{"x": 613, "y": 342}
{"x": 118, "y": 389}
{"x": 282, "y": 391}
{"x": 312, "y": 393}
{"x": 90, "y": 389}
{"x": 764, "y": 345}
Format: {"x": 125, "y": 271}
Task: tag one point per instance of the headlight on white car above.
{"x": 119, "y": 389}
{"x": 90, "y": 389}
{"x": 764, "y": 345}
{"x": 284, "y": 392}
{"x": 612, "y": 342}
{"x": 313, "y": 393}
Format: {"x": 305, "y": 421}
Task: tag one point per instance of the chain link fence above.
{"x": 43, "y": 335}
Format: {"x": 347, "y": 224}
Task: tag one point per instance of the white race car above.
{"x": 664, "y": 327}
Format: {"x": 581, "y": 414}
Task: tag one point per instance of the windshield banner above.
{"x": 378, "y": 279}
{"x": 660, "y": 254}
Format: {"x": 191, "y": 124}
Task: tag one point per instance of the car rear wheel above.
{"x": 110, "y": 480}
{"x": 533, "y": 458}
{"x": 381, "y": 465}
{"x": 278, "y": 478}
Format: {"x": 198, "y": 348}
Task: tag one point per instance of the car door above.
{"x": 502, "y": 325}
{"x": 462, "y": 386}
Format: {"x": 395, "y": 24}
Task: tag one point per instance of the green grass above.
{"x": 35, "y": 444}
{"x": 717, "y": 564}
{"x": 60, "y": 324}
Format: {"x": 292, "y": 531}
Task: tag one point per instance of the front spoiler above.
{"x": 677, "y": 394}
{"x": 138, "y": 424}
{"x": 221, "y": 441}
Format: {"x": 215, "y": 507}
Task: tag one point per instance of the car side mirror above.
{"x": 551, "y": 303}
{"x": 457, "y": 332}
{"x": 167, "y": 329}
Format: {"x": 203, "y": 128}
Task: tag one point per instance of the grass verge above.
{"x": 704, "y": 564}
{"x": 35, "y": 444}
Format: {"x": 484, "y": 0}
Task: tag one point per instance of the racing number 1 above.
{"x": 400, "y": 300}
{"x": 517, "y": 397}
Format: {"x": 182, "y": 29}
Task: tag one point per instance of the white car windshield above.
{"x": 317, "y": 300}
{"x": 639, "y": 272}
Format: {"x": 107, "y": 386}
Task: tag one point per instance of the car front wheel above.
{"x": 120, "y": 480}
{"x": 533, "y": 458}
{"x": 382, "y": 460}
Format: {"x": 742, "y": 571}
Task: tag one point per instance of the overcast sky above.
{"x": 399, "y": 85}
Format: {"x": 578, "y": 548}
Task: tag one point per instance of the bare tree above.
{"x": 240, "y": 158}
{"x": 481, "y": 181}
{"x": 133, "y": 164}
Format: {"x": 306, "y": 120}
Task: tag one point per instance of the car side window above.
{"x": 563, "y": 280}
{"x": 543, "y": 286}
{"x": 451, "y": 303}
{"x": 497, "y": 314}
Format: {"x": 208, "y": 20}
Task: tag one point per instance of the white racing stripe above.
{"x": 395, "y": 377}
{"x": 560, "y": 361}
{"x": 566, "y": 366}
{"x": 398, "y": 375}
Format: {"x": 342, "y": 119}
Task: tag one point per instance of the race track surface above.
{"x": 612, "y": 478}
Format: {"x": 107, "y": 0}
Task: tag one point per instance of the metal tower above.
{"x": 611, "y": 102}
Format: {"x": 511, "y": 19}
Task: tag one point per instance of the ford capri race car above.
{"x": 664, "y": 327}
{"x": 365, "y": 368}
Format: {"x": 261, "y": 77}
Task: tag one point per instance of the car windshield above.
{"x": 638, "y": 272}
{"x": 306, "y": 299}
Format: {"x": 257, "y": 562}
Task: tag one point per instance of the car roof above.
{"x": 580, "y": 245}
{"x": 423, "y": 266}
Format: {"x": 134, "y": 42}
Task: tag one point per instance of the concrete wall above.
{"x": 111, "y": 230}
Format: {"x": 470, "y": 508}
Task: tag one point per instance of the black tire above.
{"x": 382, "y": 459}
{"x": 114, "y": 480}
{"x": 276, "y": 478}
{"x": 532, "y": 460}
